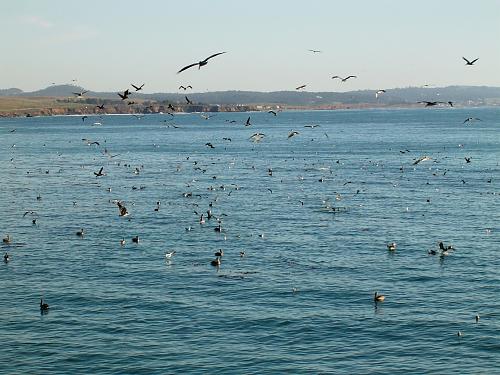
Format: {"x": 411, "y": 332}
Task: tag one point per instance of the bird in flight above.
{"x": 207, "y": 117}
{"x": 100, "y": 173}
{"x": 272, "y": 112}
{"x": 188, "y": 101}
{"x": 80, "y": 94}
{"x": 311, "y": 126}
{"x": 344, "y": 79}
{"x": 248, "y": 122}
{"x": 430, "y": 104}
{"x": 467, "y": 62}
{"x": 185, "y": 87}
{"x": 208, "y": 144}
{"x": 292, "y": 133}
{"x": 301, "y": 87}
{"x": 314, "y": 51}
{"x": 420, "y": 159}
{"x": 257, "y": 137}
{"x": 378, "y": 93}
{"x": 137, "y": 88}
{"x": 122, "y": 209}
{"x": 101, "y": 107}
{"x": 200, "y": 63}
{"x": 125, "y": 94}
{"x": 471, "y": 119}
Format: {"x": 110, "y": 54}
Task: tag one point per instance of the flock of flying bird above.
{"x": 443, "y": 249}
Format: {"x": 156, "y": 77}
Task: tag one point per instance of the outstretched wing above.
{"x": 467, "y": 61}
{"x": 215, "y": 54}
{"x": 187, "y": 67}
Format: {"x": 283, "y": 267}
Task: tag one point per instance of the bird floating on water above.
{"x": 169, "y": 254}
{"x": 391, "y": 246}
{"x": 7, "y": 239}
{"x": 200, "y": 63}
{"x": 378, "y": 297}
{"x": 43, "y": 306}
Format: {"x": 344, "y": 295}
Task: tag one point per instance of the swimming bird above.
{"x": 200, "y": 63}
{"x": 100, "y": 173}
{"x": 80, "y": 94}
{"x": 125, "y": 94}
{"x": 170, "y": 254}
{"x": 292, "y": 133}
{"x": 219, "y": 253}
{"x": 80, "y": 233}
{"x": 202, "y": 219}
{"x": 344, "y": 79}
{"x": 6, "y": 257}
{"x": 137, "y": 88}
{"x": 7, "y": 239}
{"x": 135, "y": 239}
{"x": 471, "y": 119}
{"x": 378, "y": 297}
{"x": 247, "y": 123}
{"x": 300, "y": 87}
{"x": 122, "y": 209}
{"x": 43, "y": 306}
{"x": 218, "y": 228}
{"x": 242, "y": 254}
{"x": 215, "y": 262}
{"x": 122, "y": 242}
{"x": 84, "y": 117}
{"x": 477, "y": 318}
{"x": 467, "y": 62}
{"x": 391, "y": 246}
{"x": 378, "y": 93}
{"x": 185, "y": 87}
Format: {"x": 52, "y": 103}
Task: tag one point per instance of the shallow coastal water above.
{"x": 301, "y": 300}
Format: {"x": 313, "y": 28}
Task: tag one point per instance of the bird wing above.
{"x": 467, "y": 61}
{"x": 134, "y": 86}
{"x": 122, "y": 96}
{"x": 336, "y": 77}
{"x": 182, "y": 87}
{"x": 473, "y": 61}
{"x": 215, "y": 54}
{"x": 187, "y": 67}
{"x": 346, "y": 78}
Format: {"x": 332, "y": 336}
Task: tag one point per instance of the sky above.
{"x": 106, "y": 45}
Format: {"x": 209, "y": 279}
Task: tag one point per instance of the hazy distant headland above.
{"x": 60, "y": 100}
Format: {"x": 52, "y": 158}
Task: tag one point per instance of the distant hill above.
{"x": 466, "y": 95}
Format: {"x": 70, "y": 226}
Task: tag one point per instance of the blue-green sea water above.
{"x": 312, "y": 213}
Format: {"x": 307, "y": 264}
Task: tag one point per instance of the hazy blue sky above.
{"x": 106, "y": 45}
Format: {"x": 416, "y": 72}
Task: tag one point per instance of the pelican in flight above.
{"x": 137, "y": 88}
{"x": 468, "y": 62}
{"x": 200, "y": 63}
{"x": 344, "y": 79}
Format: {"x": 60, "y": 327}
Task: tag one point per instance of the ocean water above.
{"x": 314, "y": 232}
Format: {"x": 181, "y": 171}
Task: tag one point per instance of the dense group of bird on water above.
{"x": 206, "y": 216}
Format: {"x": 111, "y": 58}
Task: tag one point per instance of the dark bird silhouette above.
{"x": 171, "y": 107}
{"x": 125, "y": 94}
{"x": 43, "y": 306}
{"x": 248, "y": 122}
{"x": 292, "y": 133}
{"x": 200, "y": 63}
{"x": 12, "y": 131}
{"x": 122, "y": 209}
{"x": 467, "y": 62}
{"x": 130, "y": 103}
{"x": 272, "y": 112}
{"x": 100, "y": 173}
{"x": 137, "y": 88}
{"x": 430, "y": 104}
{"x": 209, "y": 145}
{"x": 301, "y": 87}
{"x": 314, "y": 51}
{"x": 450, "y": 103}
{"x": 84, "y": 117}
{"x": 101, "y": 107}
{"x": 471, "y": 119}
{"x": 188, "y": 101}
{"x": 185, "y": 87}
{"x": 467, "y": 160}
{"x": 344, "y": 79}
{"x": 80, "y": 94}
